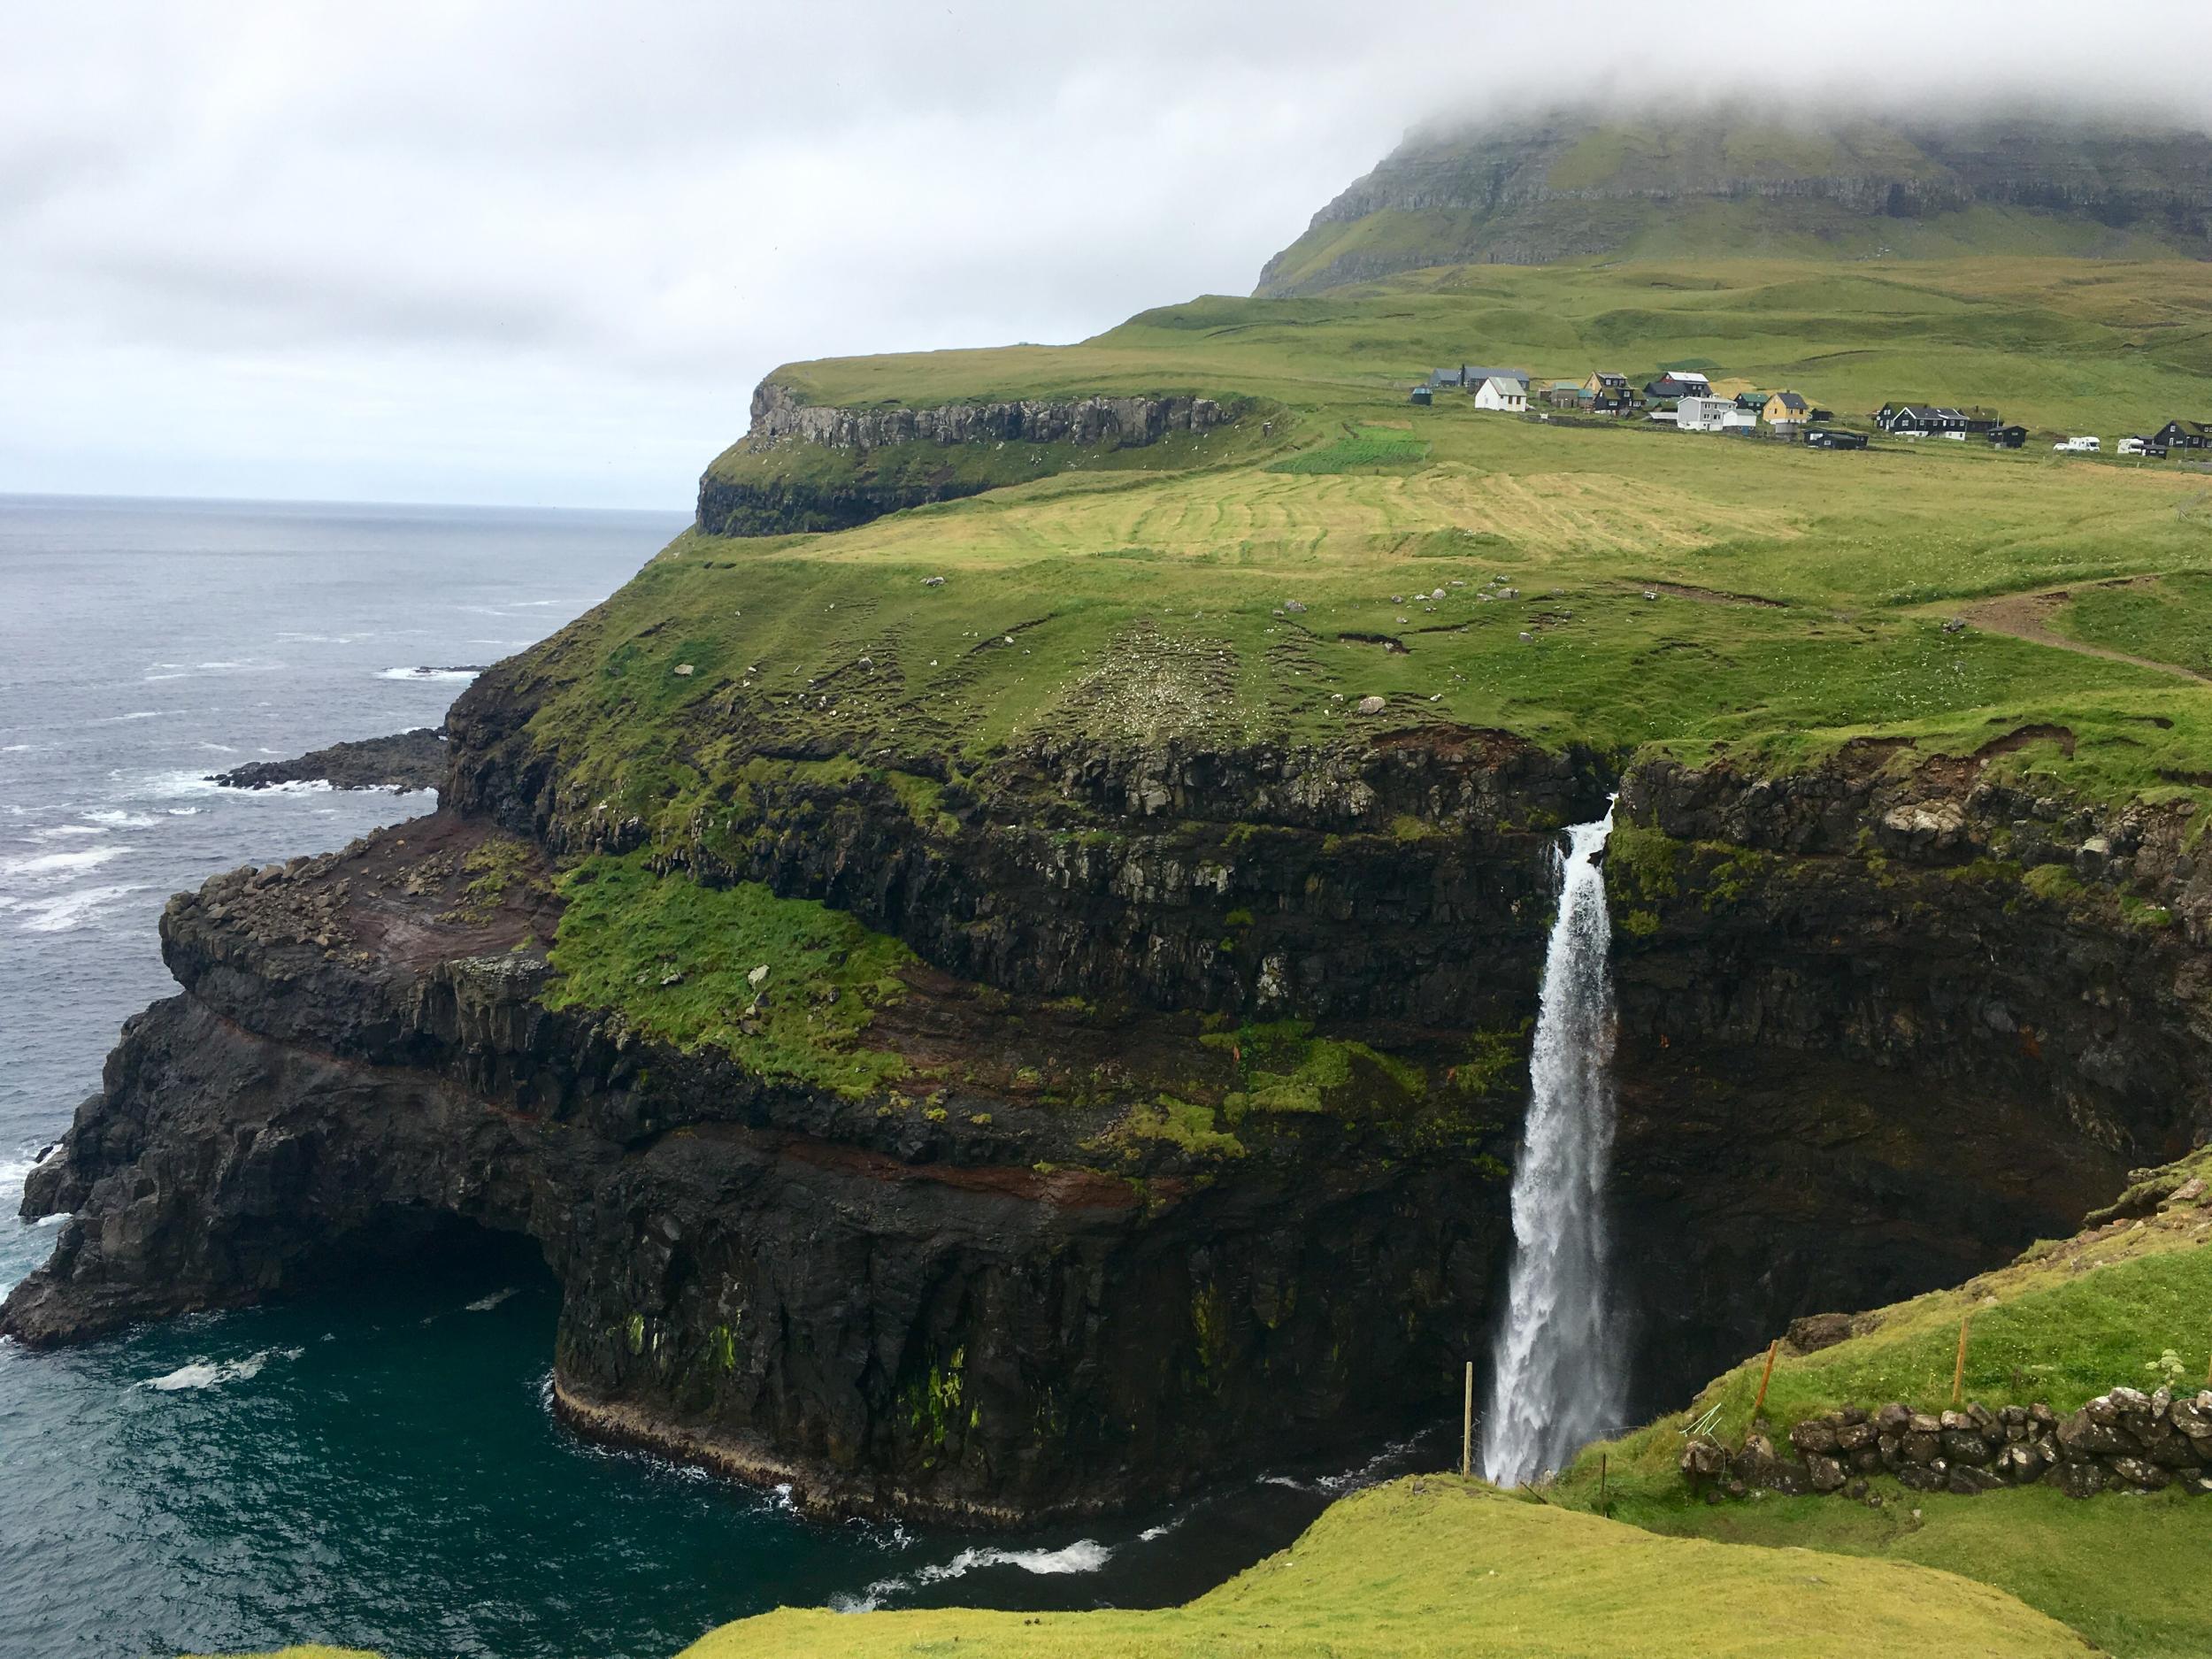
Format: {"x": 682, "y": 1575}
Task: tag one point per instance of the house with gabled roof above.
{"x": 1926, "y": 421}
{"x": 1680, "y": 383}
{"x": 1786, "y": 407}
{"x": 1506, "y": 393}
{"x": 1469, "y": 377}
{"x": 2185, "y": 435}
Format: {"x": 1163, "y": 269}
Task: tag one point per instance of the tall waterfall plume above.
{"x": 1561, "y": 1378}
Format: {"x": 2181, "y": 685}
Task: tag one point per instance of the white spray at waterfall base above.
{"x": 1559, "y": 1380}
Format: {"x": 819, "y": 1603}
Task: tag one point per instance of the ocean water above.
{"x": 376, "y": 1468}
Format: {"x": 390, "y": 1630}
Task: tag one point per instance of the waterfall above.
{"x": 1560, "y": 1379}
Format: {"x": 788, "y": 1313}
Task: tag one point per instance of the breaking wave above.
{"x": 43, "y": 867}
{"x": 1085, "y": 1555}
{"x": 212, "y": 1374}
{"x": 65, "y": 911}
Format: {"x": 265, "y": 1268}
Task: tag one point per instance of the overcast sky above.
{"x": 541, "y": 252}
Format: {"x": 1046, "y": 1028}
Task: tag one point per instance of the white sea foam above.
{"x": 114, "y": 820}
{"x": 13, "y": 1171}
{"x": 65, "y": 911}
{"x": 1085, "y": 1555}
{"x": 60, "y": 831}
{"x": 172, "y": 784}
{"x": 485, "y": 1304}
{"x": 219, "y": 749}
{"x": 428, "y": 673}
{"x": 203, "y": 1373}
{"x": 18, "y": 748}
{"x": 135, "y": 714}
{"x": 42, "y": 867}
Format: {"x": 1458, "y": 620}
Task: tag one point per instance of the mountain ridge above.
{"x": 1537, "y": 190}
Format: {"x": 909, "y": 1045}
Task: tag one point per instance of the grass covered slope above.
{"x": 1146, "y": 594}
{"x": 2129, "y": 1301}
{"x": 2105, "y": 347}
{"x": 1438, "y": 1566}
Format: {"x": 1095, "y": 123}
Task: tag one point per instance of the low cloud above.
{"x": 540, "y": 251}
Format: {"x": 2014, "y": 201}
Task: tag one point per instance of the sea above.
{"x": 378, "y": 1468}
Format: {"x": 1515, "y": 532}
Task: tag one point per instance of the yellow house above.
{"x": 1786, "y": 406}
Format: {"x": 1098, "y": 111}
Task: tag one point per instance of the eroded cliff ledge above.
{"x": 806, "y": 466}
{"x": 1185, "y": 1141}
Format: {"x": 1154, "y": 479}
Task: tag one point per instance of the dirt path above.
{"x": 2027, "y": 617}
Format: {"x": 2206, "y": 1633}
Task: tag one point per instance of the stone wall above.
{"x": 2125, "y": 1440}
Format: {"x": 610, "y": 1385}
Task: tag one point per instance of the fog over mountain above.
{"x": 512, "y": 251}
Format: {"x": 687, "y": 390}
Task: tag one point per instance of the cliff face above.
{"x": 805, "y": 467}
{"x": 1862, "y": 1054}
{"x": 1034, "y": 1297}
{"x": 1925, "y": 1007}
{"x": 1577, "y": 185}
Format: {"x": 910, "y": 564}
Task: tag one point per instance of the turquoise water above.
{"x": 372, "y": 1464}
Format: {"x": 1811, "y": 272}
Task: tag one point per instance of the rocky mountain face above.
{"x": 1746, "y": 180}
{"x": 1862, "y": 1054}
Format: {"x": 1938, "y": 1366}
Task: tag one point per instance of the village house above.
{"x": 1503, "y": 393}
{"x": 1933, "y": 420}
{"x": 1423, "y": 394}
{"x": 1469, "y": 378}
{"x": 1713, "y": 414}
{"x": 2184, "y": 434}
{"x": 1680, "y": 383}
{"x": 1786, "y": 407}
{"x": 1605, "y": 384}
{"x": 1568, "y": 394}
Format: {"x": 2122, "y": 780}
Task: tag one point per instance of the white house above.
{"x": 1706, "y": 414}
{"x": 1500, "y": 393}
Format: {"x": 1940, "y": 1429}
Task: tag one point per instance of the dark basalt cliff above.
{"x": 1575, "y": 184}
{"x": 856, "y": 464}
{"x": 1864, "y": 1051}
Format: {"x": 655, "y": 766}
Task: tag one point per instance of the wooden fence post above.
{"x": 1958, "y": 1371}
{"x": 1766, "y": 1377}
{"x": 1467, "y": 1426}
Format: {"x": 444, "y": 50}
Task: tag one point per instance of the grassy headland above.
{"x": 1616, "y": 586}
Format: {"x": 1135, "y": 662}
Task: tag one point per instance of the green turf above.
{"x": 684, "y": 963}
{"x": 1438, "y": 1567}
{"x": 2169, "y": 621}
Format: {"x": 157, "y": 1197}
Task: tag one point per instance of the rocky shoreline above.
{"x": 405, "y": 761}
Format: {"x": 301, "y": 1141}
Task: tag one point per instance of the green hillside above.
{"x": 1442, "y": 1567}
{"x": 1756, "y": 181}
{"x": 2124, "y": 1302}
